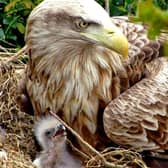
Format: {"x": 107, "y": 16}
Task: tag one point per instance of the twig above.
{"x": 3, "y": 49}
{"x": 16, "y": 55}
{"x": 106, "y": 163}
{"x": 107, "y": 6}
{"x": 77, "y": 150}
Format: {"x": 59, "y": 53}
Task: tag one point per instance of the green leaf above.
{"x": 153, "y": 16}
{"x": 3, "y": 1}
{"x": 165, "y": 48}
{"x": 10, "y": 5}
{"x": 28, "y": 4}
{"x": 2, "y": 34}
{"x": 8, "y": 20}
{"x": 21, "y": 28}
{"x": 11, "y": 36}
{"x": 117, "y": 11}
{"x": 12, "y": 24}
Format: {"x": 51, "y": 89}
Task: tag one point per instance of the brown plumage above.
{"x": 138, "y": 118}
{"x": 77, "y": 66}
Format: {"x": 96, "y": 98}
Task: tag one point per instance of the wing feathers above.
{"x": 139, "y": 117}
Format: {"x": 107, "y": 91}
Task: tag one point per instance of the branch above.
{"x": 107, "y": 6}
{"x": 16, "y": 55}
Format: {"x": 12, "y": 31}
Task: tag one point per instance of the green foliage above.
{"x": 163, "y": 4}
{"x": 155, "y": 18}
{"x": 101, "y": 2}
{"x": 13, "y": 20}
{"x": 129, "y": 7}
{"x": 120, "y": 7}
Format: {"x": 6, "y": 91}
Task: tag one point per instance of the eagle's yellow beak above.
{"x": 110, "y": 38}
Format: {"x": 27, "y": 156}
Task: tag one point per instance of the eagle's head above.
{"x": 74, "y": 50}
{"x": 83, "y": 20}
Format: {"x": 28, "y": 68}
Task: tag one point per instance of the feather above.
{"x": 141, "y": 119}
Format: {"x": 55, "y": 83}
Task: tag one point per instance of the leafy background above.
{"x": 14, "y": 13}
{"x": 13, "y": 16}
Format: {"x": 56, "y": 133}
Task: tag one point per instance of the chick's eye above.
{"x": 50, "y": 132}
{"x": 82, "y": 24}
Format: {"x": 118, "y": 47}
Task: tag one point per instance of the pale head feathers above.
{"x": 44, "y": 124}
{"x": 89, "y": 10}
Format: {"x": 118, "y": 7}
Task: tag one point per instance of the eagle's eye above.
{"x": 81, "y": 24}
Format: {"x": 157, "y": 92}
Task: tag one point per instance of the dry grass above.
{"x": 19, "y": 143}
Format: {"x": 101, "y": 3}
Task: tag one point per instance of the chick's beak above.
{"x": 60, "y": 130}
{"x": 110, "y": 37}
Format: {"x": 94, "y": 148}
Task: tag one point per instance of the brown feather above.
{"x": 138, "y": 118}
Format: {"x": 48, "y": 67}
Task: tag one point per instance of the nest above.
{"x": 19, "y": 141}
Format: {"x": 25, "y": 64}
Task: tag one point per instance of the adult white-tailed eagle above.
{"x": 80, "y": 61}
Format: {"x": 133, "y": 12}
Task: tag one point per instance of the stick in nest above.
{"x": 16, "y": 55}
